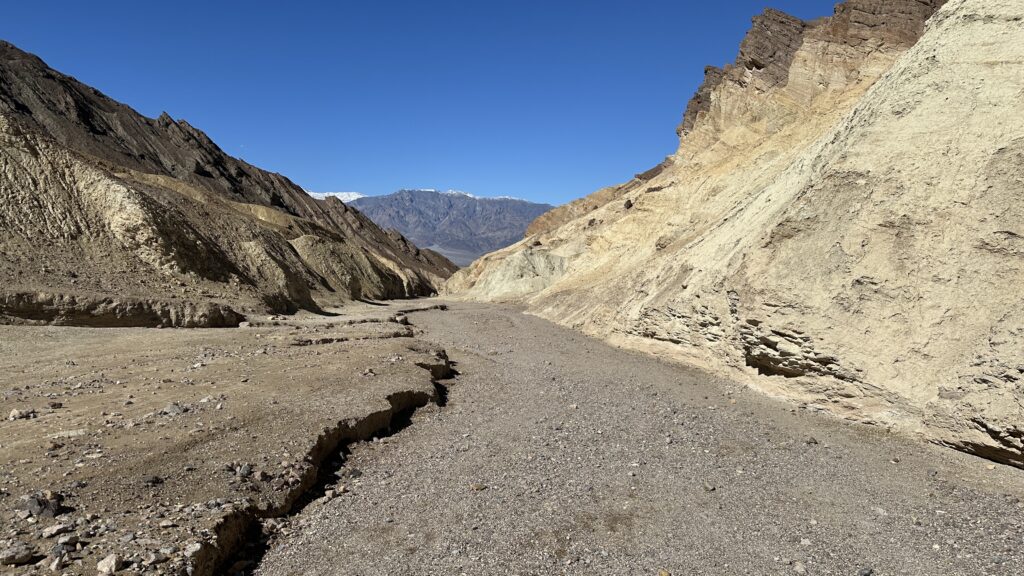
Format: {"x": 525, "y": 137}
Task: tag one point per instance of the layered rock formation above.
{"x": 841, "y": 225}
{"x": 459, "y": 226}
{"x": 111, "y": 218}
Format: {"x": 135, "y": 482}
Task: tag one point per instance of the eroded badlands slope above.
{"x": 111, "y": 218}
{"x": 841, "y": 225}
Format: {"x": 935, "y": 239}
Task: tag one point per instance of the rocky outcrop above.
{"x": 125, "y": 220}
{"x": 105, "y": 311}
{"x": 839, "y": 227}
{"x": 459, "y": 226}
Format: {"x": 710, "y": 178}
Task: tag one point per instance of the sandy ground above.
{"x": 558, "y": 454}
{"x": 164, "y": 447}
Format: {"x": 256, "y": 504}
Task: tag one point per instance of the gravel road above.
{"x": 557, "y": 454}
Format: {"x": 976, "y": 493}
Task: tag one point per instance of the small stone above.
{"x": 109, "y": 565}
{"x": 46, "y": 504}
{"x": 866, "y": 571}
{"x": 799, "y": 568}
{"x": 21, "y": 414}
{"x": 55, "y": 530}
{"x": 664, "y": 573}
{"x": 57, "y": 563}
{"x": 478, "y": 487}
{"x": 174, "y": 409}
{"x": 152, "y": 481}
{"x": 16, "y": 555}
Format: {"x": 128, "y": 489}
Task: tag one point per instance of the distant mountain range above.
{"x": 343, "y": 196}
{"x": 460, "y": 226}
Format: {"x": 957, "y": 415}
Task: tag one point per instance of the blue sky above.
{"x": 541, "y": 99}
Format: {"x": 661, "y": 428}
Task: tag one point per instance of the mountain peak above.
{"x": 457, "y": 224}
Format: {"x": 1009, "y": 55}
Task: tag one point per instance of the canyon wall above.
{"x": 109, "y": 218}
{"x": 840, "y": 226}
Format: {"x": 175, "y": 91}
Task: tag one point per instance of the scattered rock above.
{"x": 174, "y": 409}
{"x": 57, "y": 562}
{"x": 16, "y": 555}
{"x": 56, "y": 530}
{"x": 22, "y": 414}
{"x": 109, "y": 565}
{"x": 45, "y": 504}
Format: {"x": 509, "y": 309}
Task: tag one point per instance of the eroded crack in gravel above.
{"x": 558, "y": 454}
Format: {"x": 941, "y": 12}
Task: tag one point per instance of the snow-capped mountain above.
{"x": 343, "y": 196}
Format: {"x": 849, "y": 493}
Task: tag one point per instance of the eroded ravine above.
{"x": 245, "y": 538}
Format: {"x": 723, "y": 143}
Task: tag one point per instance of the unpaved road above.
{"x": 557, "y": 454}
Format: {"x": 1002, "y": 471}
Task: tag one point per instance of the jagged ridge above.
{"x": 101, "y": 202}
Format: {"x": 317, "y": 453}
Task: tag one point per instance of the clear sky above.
{"x": 542, "y": 99}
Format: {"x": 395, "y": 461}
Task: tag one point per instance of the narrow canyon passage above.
{"x": 557, "y": 454}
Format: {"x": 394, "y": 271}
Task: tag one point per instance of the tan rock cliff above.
{"x": 841, "y": 225}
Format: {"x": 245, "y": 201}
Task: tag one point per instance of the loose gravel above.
{"x": 557, "y": 454}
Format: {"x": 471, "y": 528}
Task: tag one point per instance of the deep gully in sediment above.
{"x": 244, "y": 536}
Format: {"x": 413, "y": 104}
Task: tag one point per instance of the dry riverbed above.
{"x": 558, "y": 454}
{"x": 291, "y": 447}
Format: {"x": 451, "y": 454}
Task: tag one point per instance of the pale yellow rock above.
{"x": 853, "y": 240}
